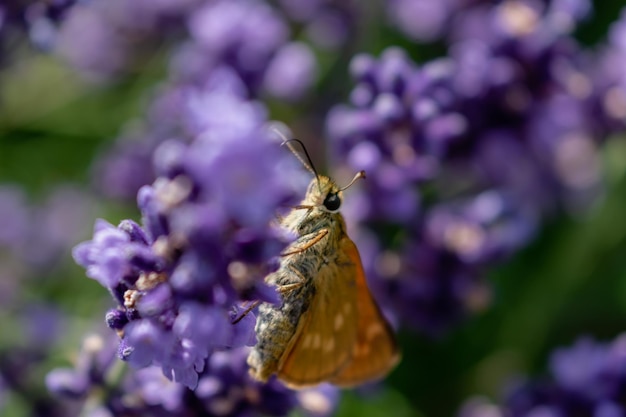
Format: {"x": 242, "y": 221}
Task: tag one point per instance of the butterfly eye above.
{"x": 332, "y": 202}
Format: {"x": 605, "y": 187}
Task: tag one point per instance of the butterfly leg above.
{"x": 247, "y": 311}
{"x": 282, "y": 289}
{"x": 290, "y": 287}
{"x": 289, "y": 281}
{"x": 305, "y": 242}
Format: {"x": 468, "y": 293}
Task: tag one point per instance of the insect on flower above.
{"x": 328, "y": 327}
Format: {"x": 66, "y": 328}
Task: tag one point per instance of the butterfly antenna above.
{"x": 308, "y": 163}
{"x": 360, "y": 174}
{"x": 279, "y": 129}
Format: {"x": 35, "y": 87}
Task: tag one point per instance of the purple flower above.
{"x": 223, "y": 391}
{"x": 91, "y": 44}
{"x": 155, "y": 390}
{"x": 608, "y": 82}
{"x": 211, "y": 88}
{"x": 327, "y": 24}
{"x": 465, "y": 154}
{"x": 14, "y": 217}
{"x": 206, "y": 239}
{"x": 122, "y": 170}
{"x": 34, "y": 246}
{"x": 250, "y": 38}
{"x": 423, "y": 20}
{"x": 42, "y": 324}
{"x": 242, "y": 34}
{"x": 38, "y": 235}
{"x": 37, "y": 20}
{"x": 483, "y": 228}
{"x": 219, "y": 108}
{"x": 59, "y": 223}
{"x": 291, "y": 72}
{"x": 202, "y": 327}
{"x": 103, "y": 39}
{"x": 429, "y": 20}
{"x": 109, "y": 257}
{"x": 224, "y": 388}
{"x": 67, "y": 382}
{"x": 248, "y": 31}
{"x": 585, "y": 379}
{"x": 90, "y": 371}
{"x": 581, "y": 368}
{"x": 145, "y": 342}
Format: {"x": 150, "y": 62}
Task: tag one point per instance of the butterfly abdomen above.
{"x": 276, "y": 324}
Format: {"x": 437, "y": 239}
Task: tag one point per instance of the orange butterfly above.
{"x": 328, "y": 327}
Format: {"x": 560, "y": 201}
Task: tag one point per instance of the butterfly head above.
{"x": 325, "y": 194}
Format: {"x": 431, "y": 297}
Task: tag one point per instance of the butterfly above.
{"x": 328, "y": 328}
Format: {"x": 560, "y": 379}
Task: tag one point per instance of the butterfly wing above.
{"x": 375, "y": 350}
{"x": 327, "y": 332}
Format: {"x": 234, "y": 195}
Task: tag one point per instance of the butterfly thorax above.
{"x": 319, "y": 228}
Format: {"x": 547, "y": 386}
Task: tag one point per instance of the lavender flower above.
{"x": 237, "y": 47}
{"x": 205, "y": 242}
{"x": 58, "y": 224}
{"x": 430, "y": 20}
{"x": 37, "y": 18}
{"x": 482, "y": 112}
{"x": 328, "y": 24}
{"x": 123, "y": 169}
{"x": 247, "y": 45}
{"x": 422, "y": 20}
{"x": 209, "y": 39}
{"x": 89, "y": 43}
{"x": 251, "y": 38}
{"x": 39, "y": 234}
{"x": 537, "y": 21}
{"x": 35, "y": 245}
{"x": 224, "y": 388}
{"x": 93, "y": 363}
{"x": 225, "y": 393}
{"x": 290, "y": 72}
{"x": 466, "y": 156}
{"x": 105, "y": 39}
{"x": 13, "y": 216}
{"x": 585, "y": 379}
{"x": 610, "y": 101}
{"x": 32, "y": 334}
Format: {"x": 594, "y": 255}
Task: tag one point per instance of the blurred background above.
{"x": 491, "y": 224}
